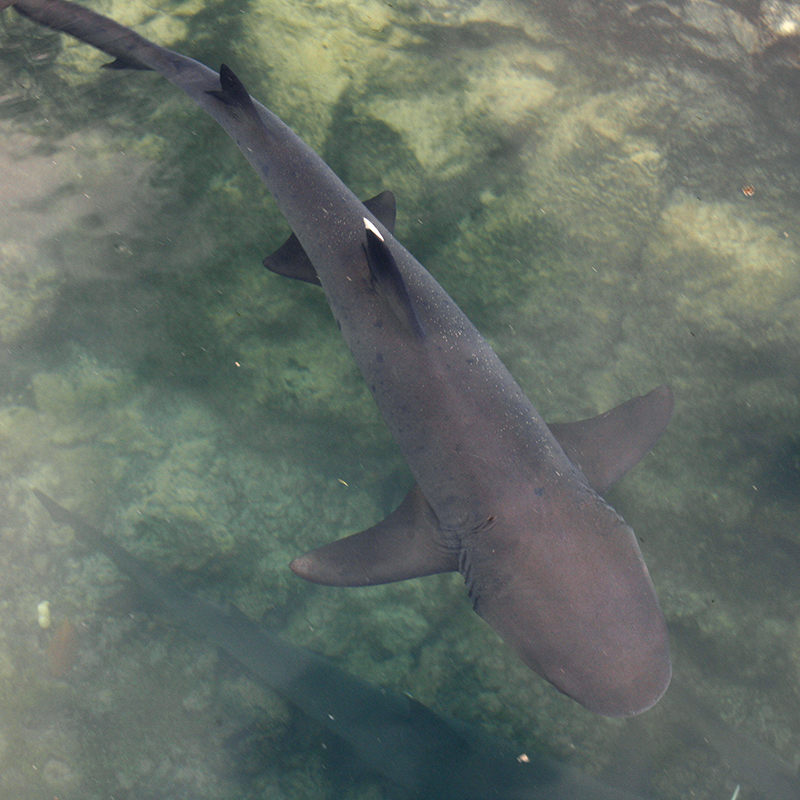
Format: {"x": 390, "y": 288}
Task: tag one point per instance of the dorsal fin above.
{"x": 291, "y": 260}
{"x": 232, "y": 91}
{"x": 388, "y": 280}
{"x": 384, "y": 207}
{"x": 605, "y": 447}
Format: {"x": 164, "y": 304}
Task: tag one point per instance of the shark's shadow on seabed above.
{"x": 407, "y": 745}
{"x": 392, "y": 736}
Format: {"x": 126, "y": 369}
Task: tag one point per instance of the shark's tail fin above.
{"x": 130, "y": 51}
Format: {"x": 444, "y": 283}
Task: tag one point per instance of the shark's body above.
{"x": 509, "y": 502}
{"x": 393, "y": 736}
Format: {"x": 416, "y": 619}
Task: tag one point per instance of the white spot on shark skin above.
{"x": 370, "y": 227}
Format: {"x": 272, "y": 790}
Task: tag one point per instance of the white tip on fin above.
{"x": 370, "y": 227}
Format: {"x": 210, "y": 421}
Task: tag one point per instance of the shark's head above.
{"x": 571, "y": 594}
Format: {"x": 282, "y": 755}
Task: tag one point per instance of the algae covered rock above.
{"x": 733, "y": 278}
{"x": 28, "y": 291}
{"x": 598, "y": 174}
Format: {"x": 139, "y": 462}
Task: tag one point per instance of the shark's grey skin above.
{"x": 392, "y": 735}
{"x": 510, "y": 503}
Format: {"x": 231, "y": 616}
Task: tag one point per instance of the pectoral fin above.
{"x": 604, "y": 448}
{"x": 405, "y": 545}
{"x": 291, "y": 260}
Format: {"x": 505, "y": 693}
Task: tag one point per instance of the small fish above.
{"x": 62, "y": 651}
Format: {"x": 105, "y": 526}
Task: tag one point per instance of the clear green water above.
{"x": 583, "y": 205}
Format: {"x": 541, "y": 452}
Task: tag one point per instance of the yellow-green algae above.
{"x": 732, "y": 276}
{"x": 27, "y": 291}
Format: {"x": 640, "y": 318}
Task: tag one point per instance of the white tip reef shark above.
{"x": 511, "y": 503}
